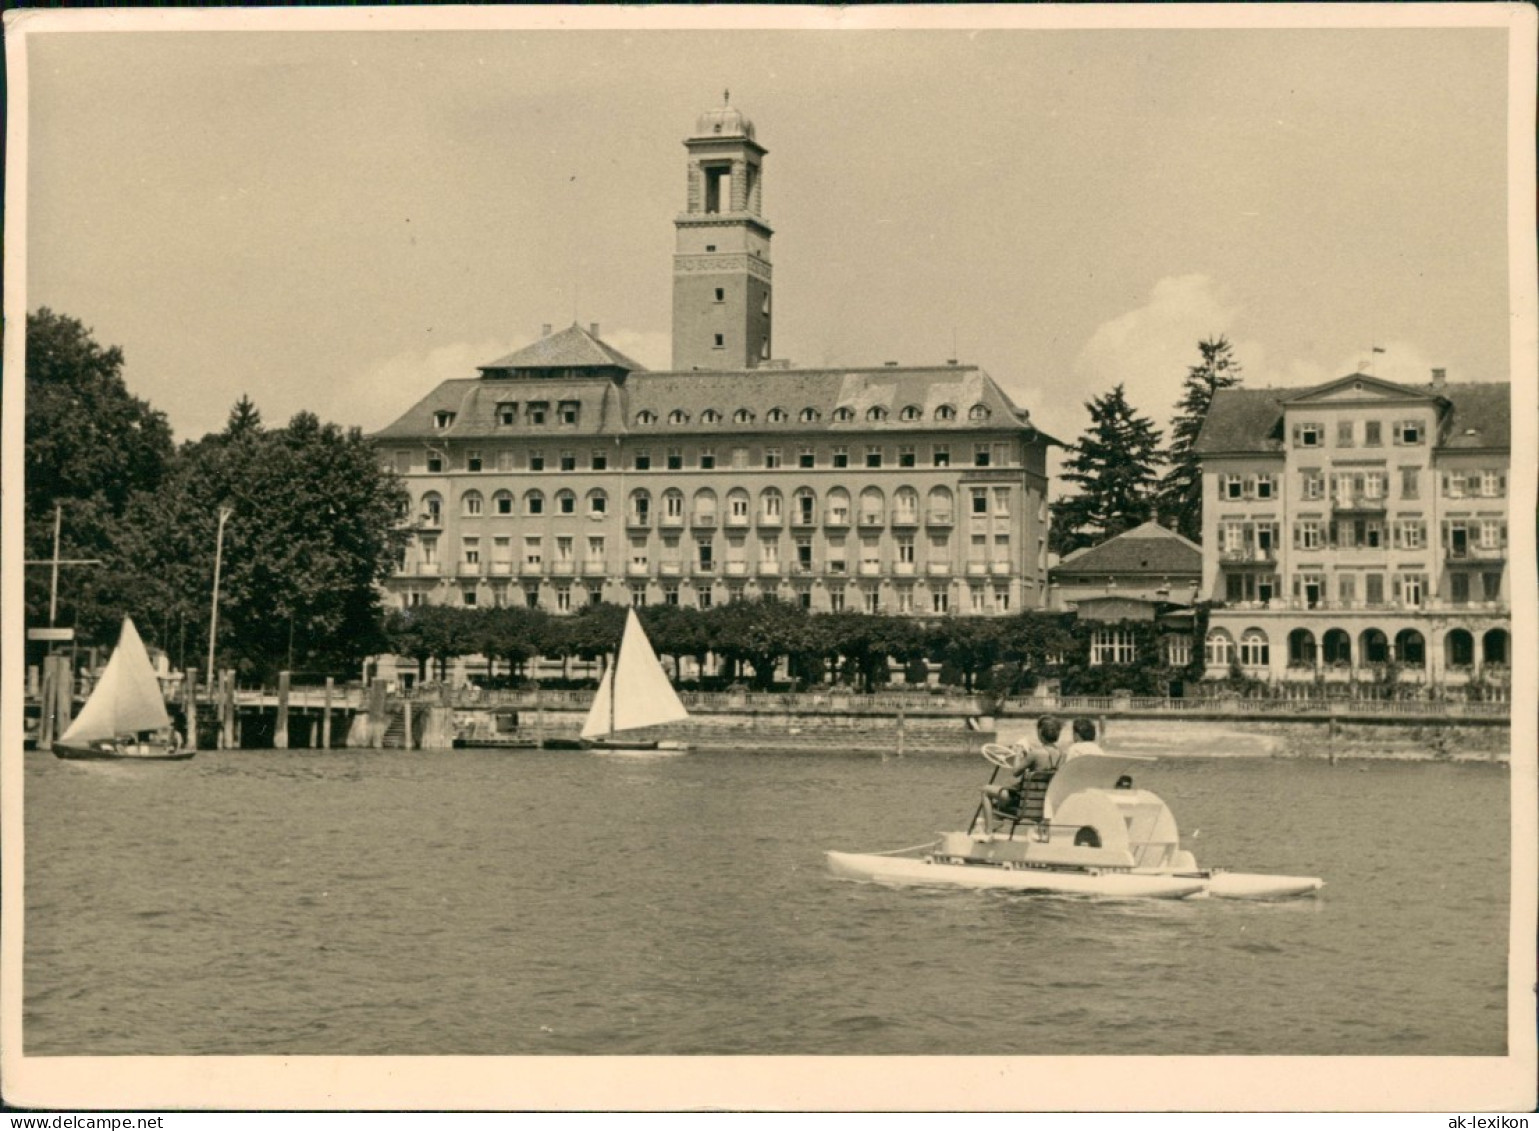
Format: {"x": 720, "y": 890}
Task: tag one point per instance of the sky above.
{"x": 337, "y": 221}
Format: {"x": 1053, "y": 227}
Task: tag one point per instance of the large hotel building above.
{"x": 567, "y": 473}
{"x": 1357, "y": 531}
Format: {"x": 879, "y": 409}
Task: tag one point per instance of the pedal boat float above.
{"x": 1077, "y": 832}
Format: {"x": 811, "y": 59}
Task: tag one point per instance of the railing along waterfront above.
{"x": 834, "y": 703}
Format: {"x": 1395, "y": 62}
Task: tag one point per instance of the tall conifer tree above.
{"x": 1180, "y": 495}
{"x": 1114, "y": 468}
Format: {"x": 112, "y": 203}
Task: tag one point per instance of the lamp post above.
{"x": 213, "y": 617}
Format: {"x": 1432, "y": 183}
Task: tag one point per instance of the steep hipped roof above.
{"x": 1482, "y": 416}
{"x": 1148, "y": 551}
{"x": 1250, "y": 420}
{"x": 572, "y": 348}
{"x": 960, "y": 399}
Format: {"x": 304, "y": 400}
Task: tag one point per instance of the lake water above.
{"x": 519, "y": 902}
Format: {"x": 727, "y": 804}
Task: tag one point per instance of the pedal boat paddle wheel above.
{"x": 1082, "y": 829}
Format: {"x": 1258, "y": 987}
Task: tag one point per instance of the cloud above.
{"x": 1149, "y": 348}
{"x": 652, "y": 348}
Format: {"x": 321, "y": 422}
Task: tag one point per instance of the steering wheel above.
{"x": 1003, "y": 756}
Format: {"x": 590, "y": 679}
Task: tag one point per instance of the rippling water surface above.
{"x": 485, "y": 902}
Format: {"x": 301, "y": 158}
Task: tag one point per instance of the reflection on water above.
{"x": 512, "y": 902}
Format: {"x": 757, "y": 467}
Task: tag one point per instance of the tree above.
{"x": 314, "y": 528}
{"x": 91, "y": 447}
{"x": 1180, "y": 493}
{"x": 1113, "y": 465}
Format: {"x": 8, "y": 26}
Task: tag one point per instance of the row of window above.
{"x": 1406, "y": 433}
{"x": 569, "y": 413}
{"x": 835, "y": 552}
{"x": 1348, "y": 488}
{"x": 1258, "y": 541}
{"x": 1363, "y": 590}
{"x": 981, "y": 599}
{"x": 1335, "y": 647}
{"x": 986, "y": 454}
{"x": 838, "y": 508}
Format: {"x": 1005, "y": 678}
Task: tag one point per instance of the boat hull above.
{"x": 1242, "y": 885}
{"x": 622, "y": 746}
{"x": 909, "y": 870}
{"x": 141, "y": 753}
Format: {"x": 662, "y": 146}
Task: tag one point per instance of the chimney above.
{"x": 593, "y": 329}
{"x": 544, "y": 329}
{"x": 1439, "y": 378}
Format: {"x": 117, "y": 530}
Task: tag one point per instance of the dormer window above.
{"x": 844, "y": 415}
{"x": 910, "y": 412}
{"x": 1307, "y": 435}
{"x": 876, "y": 412}
{"x": 978, "y": 412}
{"x": 775, "y": 415}
{"x": 566, "y": 412}
{"x": 443, "y": 418}
{"x": 743, "y": 416}
{"x": 536, "y": 411}
{"x": 646, "y": 416}
{"x": 710, "y": 416}
{"x": 945, "y": 412}
{"x": 809, "y": 415}
{"x": 507, "y": 412}
{"x": 678, "y": 416}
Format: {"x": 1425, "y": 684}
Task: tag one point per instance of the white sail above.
{"x": 127, "y": 698}
{"x": 635, "y": 691}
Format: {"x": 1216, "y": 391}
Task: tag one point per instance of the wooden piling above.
{"x": 190, "y": 707}
{"x": 227, "y": 736}
{"x": 377, "y": 715}
{"x": 901, "y": 728}
{"x": 406, "y": 724}
{"x": 281, "y": 728}
{"x": 326, "y": 716}
{"x": 64, "y": 685}
{"x": 46, "y": 732}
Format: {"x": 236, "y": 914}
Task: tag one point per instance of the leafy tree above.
{"x": 1113, "y": 465}
{"x": 758, "y": 633}
{"x": 1180, "y": 492}
{"x": 91, "y": 446}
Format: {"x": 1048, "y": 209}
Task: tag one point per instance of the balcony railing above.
{"x": 870, "y": 569}
{"x": 636, "y": 569}
{"x": 976, "y": 568}
{"x": 736, "y": 520}
{"x": 670, "y": 569}
{"x": 871, "y": 518}
{"x": 903, "y": 569}
{"x": 704, "y": 569}
{"x": 769, "y": 569}
{"x": 905, "y": 518}
{"x": 428, "y": 569}
{"x": 805, "y": 518}
{"x": 836, "y": 516}
{"x": 639, "y": 520}
{"x": 703, "y": 520}
{"x": 938, "y": 569}
{"x": 1249, "y": 555}
{"x": 1359, "y": 504}
{"x": 767, "y": 519}
{"x": 939, "y": 516}
{"x": 999, "y": 568}
{"x": 736, "y": 569}
{"x": 1476, "y": 554}
{"x": 593, "y": 569}
{"x": 469, "y": 569}
{"x": 672, "y": 520}
{"x": 563, "y": 568}
{"x": 802, "y": 569}
{"x": 531, "y": 569}
{"x": 502, "y": 569}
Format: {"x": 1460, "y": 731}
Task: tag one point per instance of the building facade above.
{"x": 1357, "y": 532}
{"x": 567, "y": 473}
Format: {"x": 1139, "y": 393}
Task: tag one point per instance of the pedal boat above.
{"x": 1083, "y": 830}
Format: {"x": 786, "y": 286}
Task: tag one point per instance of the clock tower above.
{"x": 721, "y": 262}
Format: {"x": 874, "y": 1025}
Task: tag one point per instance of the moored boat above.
{"x": 634, "y": 692}
{"x": 1080, "y": 829}
{"x": 125, "y": 716}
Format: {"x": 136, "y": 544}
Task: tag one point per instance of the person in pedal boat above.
{"x": 1030, "y": 757}
{"x": 1084, "y": 740}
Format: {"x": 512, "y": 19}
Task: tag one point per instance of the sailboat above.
{"x": 125, "y": 703}
{"x": 634, "y": 693}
